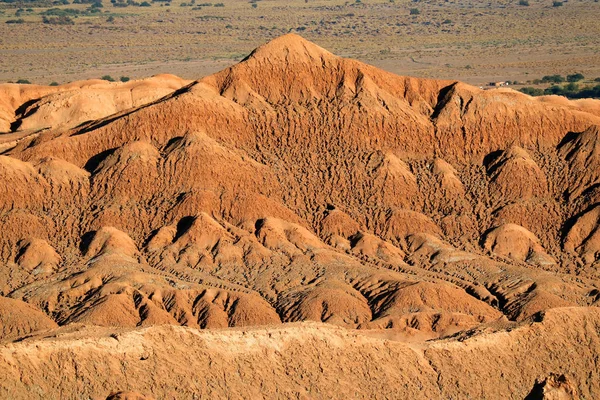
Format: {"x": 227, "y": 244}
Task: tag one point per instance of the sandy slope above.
{"x": 309, "y": 360}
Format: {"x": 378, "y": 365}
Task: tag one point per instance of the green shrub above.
{"x": 124, "y": 79}
{"x": 524, "y": 3}
{"x": 557, "y": 3}
{"x": 62, "y": 20}
{"x": 61, "y": 12}
{"x": 24, "y": 81}
{"x": 108, "y": 78}
{"x": 532, "y": 91}
{"x": 553, "y": 79}
{"x": 15, "y": 21}
{"x": 575, "y": 77}
{"x": 414, "y": 11}
{"x": 53, "y": 84}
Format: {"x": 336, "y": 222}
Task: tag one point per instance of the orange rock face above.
{"x": 299, "y": 186}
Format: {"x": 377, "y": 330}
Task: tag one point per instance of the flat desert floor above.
{"x": 476, "y": 42}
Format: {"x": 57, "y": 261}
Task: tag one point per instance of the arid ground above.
{"x": 473, "y": 41}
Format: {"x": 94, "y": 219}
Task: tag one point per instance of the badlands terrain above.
{"x": 298, "y": 225}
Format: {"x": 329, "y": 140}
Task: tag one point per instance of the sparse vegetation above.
{"x": 557, "y": 3}
{"x": 532, "y": 91}
{"x": 59, "y": 12}
{"x": 524, "y": 3}
{"x": 458, "y": 29}
{"x": 124, "y": 79}
{"x": 108, "y": 78}
{"x": 414, "y": 11}
{"x": 62, "y": 20}
{"x": 553, "y": 79}
{"x": 570, "y": 90}
{"x": 23, "y": 81}
{"x": 53, "y": 84}
{"x": 15, "y": 21}
{"x": 575, "y": 77}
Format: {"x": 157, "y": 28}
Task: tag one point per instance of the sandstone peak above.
{"x": 290, "y": 47}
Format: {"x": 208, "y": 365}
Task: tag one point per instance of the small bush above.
{"x": 145, "y": 4}
{"x": 532, "y": 91}
{"x": 53, "y": 84}
{"x": 62, "y": 20}
{"x": 414, "y": 11}
{"x": 15, "y": 21}
{"x": 553, "y": 79}
{"x": 571, "y": 87}
{"x": 575, "y": 77}
{"x": 58, "y": 12}
{"x": 524, "y": 3}
{"x": 108, "y": 78}
{"x": 219, "y": 5}
{"x": 24, "y": 81}
{"x": 557, "y": 3}
{"x": 124, "y": 79}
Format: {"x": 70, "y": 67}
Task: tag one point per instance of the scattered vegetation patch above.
{"x": 552, "y": 79}
{"x": 570, "y": 90}
{"x": 60, "y": 12}
{"x": 575, "y": 77}
{"x": 62, "y": 20}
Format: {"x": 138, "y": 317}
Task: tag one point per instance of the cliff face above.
{"x": 300, "y": 186}
{"x": 309, "y": 360}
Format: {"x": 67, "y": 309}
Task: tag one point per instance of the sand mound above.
{"x": 582, "y": 152}
{"x": 38, "y": 257}
{"x": 18, "y": 319}
{"x": 32, "y": 107}
{"x": 584, "y": 236}
{"x": 514, "y": 241}
{"x": 516, "y": 176}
